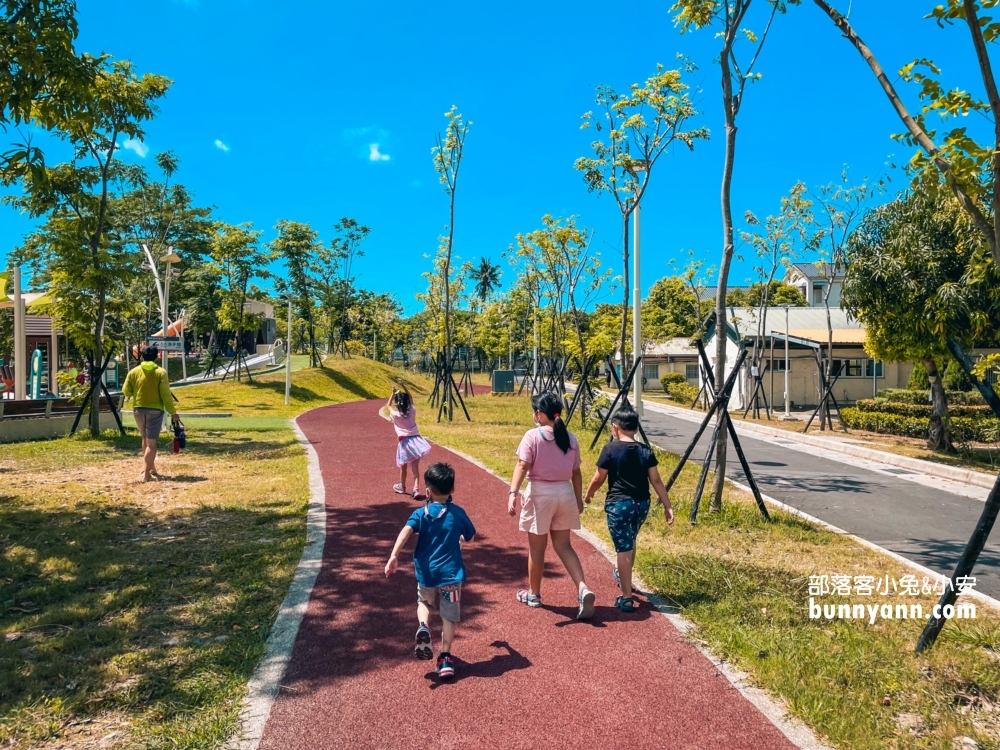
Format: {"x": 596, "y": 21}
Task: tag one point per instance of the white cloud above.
{"x": 140, "y": 148}
{"x": 374, "y": 154}
{"x": 220, "y": 145}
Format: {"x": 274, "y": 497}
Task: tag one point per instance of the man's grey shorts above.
{"x": 149, "y": 422}
{"x": 444, "y": 599}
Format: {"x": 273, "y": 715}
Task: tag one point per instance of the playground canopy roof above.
{"x": 32, "y": 299}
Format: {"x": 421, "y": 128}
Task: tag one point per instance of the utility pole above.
{"x": 636, "y": 315}
{"x": 20, "y": 342}
{"x": 787, "y": 413}
{"x": 288, "y": 355}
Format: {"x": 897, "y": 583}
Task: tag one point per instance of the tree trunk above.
{"x": 939, "y": 426}
{"x": 721, "y": 339}
{"x": 625, "y": 285}
{"x": 95, "y": 403}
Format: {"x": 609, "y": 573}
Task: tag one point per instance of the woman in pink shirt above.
{"x": 549, "y": 456}
{"x": 411, "y": 446}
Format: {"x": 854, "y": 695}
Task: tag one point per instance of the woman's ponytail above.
{"x": 550, "y": 405}
{"x": 561, "y": 433}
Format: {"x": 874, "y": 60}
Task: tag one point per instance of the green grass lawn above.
{"x": 132, "y": 615}
{"x": 744, "y": 583}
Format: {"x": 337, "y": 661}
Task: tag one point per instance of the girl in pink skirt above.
{"x": 411, "y": 446}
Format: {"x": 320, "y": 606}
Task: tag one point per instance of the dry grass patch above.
{"x": 744, "y": 583}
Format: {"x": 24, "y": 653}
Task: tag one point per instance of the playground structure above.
{"x": 36, "y": 345}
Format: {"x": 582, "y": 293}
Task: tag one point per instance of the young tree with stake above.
{"x": 729, "y": 16}
{"x": 641, "y": 125}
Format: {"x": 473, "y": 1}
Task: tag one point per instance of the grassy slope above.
{"x": 135, "y": 613}
{"x": 745, "y": 584}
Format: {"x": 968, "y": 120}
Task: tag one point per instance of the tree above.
{"x": 486, "y": 277}
{"x": 447, "y": 154}
{"x": 775, "y": 294}
{"x": 917, "y": 276}
{"x": 775, "y": 244}
{"x": 336, "y": 272}
{"x": 967, "y": 169}
{"x": 85, "y": 258}
{"x": 298, "y": 246}
{"x": 839, "y": 206}
{"x": 670, "y": 310}
{"x": 38, "y": 38}
{"x": 641, "y": 125}
{"x": 730, "y": 16}
{"x": 560, "y": 253}
{"x": 239, "y": 259}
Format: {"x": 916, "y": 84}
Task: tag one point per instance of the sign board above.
{"x": 503, "y": 381}
{"x": 166, "y": 343}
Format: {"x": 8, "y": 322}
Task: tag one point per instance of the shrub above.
{"x": 918, "y": 378}
{"x": 955, "y": 398}
{"x": 963, "y": 429}
{"x": 922, "y": 409}
{"x": 672, "y": 378}
{"x": 955, "y": 378}
{"x": 683, "y": 393}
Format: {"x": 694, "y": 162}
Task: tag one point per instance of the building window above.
{"x": 818, "y": 294}
{"x": 779, "y": 365}
{"x": 691, "y": 372}
{"x": 854, "y": 368}
{"x": 650, "y": 372}
{"x": 868, "y": 368}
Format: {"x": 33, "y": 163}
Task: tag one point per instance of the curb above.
{"x": 772, "y": 708}
{"x": 266, "y": 680}
{"x": 966, "y": 476}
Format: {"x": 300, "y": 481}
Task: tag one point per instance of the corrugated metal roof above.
{"x": 840, "y": 336}
{"x": 676, "y": 347}
{"x": 799, "y": 319}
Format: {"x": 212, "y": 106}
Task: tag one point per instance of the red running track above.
{"x": 525, "y": 678}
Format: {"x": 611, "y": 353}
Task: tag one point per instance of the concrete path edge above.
{"x": 968, "y": 476}
{"x": 266, "y": 680}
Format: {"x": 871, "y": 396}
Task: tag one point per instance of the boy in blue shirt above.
{"x": 440, "y": 527}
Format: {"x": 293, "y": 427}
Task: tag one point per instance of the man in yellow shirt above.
{"x": 148, "y": 387}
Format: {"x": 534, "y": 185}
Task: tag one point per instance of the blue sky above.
{"x": 312, "y": 111}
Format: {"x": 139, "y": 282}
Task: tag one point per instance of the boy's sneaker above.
{"x": 445, "y": 667}
{"x": 422, "y": 649}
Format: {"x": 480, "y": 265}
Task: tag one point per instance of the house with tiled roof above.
{"x": 812, "y": 279}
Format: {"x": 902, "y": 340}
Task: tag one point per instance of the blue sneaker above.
{"x": 445, "y": 667}
{"x": 422, "y": 649}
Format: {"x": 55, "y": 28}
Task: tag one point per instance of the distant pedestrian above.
{"x": 411, "y": 446}
{"x": 147, "y": 385}
{"x": 440, "y": 527}
{"x": 630, "y": 467}
{"x": 549, "y": 456}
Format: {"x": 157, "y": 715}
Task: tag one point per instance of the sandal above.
{"x": 399, "y": 489}
{"x": 526, "y": 597}
{"x": 625, "y": 603}
{"x": 586, "y": 600}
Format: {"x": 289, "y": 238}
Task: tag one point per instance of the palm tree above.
{"x": 487, "y": 278}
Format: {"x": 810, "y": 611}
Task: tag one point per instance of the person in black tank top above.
{"x": 629, "y": 468}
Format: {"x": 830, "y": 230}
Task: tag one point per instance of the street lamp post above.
{"x": 170, "y": 258}
{"x": 787, "y": 413}
{"x": 636, "y": 301}
{"x": 288, "y": 355}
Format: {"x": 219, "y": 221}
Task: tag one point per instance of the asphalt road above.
{"x": 899, "y": 510}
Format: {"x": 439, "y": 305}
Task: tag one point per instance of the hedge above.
{"x": 958, "y": 398}
{"x": 919, "y": 410}
{"x": 675, "y": 385}
{"x": 963, "y": 429}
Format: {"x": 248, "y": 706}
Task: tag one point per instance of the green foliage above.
{"x": 955, "y": 378}
{"x": 486, "y": 277}
{"x": 239, "y": 259}
{"x": 919, "y": 381}
{"x": 676, "y": 387}
{"x": 958, "y": 398}
{"x": 964, "y": 429}
{"x": 919, "y": 274}
{"x": 37, "y": 37}
{"x": 671, "y": 310}
{"x": 921, "y": 409}
{"x": 298, "y": 246}
{"x": 777, "y": 293}
{"x": 69, "y": 388}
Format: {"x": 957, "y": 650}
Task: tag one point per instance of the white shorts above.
{"x": 549, "y": 506}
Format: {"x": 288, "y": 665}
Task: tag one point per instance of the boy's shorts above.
{"x": 625, "y": 516}
{"x": 444, "y": 599}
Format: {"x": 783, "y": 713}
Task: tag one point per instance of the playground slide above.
{"x": 174, "y": 329}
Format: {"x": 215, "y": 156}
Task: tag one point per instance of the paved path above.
{"x": 525, "y": 678}
{"x": 913, "y": 515}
